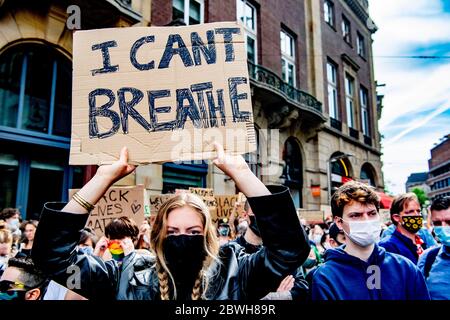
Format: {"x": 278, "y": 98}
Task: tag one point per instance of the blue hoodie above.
{"x": 345, "y": 277}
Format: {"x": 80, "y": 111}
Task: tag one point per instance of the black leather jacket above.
{"x": 238, "y": 276}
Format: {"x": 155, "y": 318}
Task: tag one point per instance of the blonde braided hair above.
{"x": 163, "y": 279}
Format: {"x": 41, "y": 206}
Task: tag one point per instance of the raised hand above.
{"x": 238, "y": 170}
{"x": 117, "y": 169}
{"x": 106, "y": 175}
{"x": 286, "y": 284}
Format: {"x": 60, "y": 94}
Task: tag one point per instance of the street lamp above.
{"x": 329, "y": 161}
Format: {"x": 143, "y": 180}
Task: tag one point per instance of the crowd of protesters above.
{"x": 266, "y": 252}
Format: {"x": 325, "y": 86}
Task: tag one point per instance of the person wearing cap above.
{"x": 337, "y": 236}
{"x": 406, "y": 216}
{"x": 435, "y": 262}
{"x": 360, "y": 269}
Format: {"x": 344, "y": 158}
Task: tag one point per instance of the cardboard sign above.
{"x": 156, "y": 200}
{"x": 312, "y": 216}
{"x": 225, "y": 207}
{"x": 164, "y": 92}
{"x": 118, "y": 202}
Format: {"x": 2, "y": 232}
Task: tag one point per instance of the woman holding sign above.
{"x": 187, "y": 262}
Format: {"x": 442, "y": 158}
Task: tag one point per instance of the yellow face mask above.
{"x": 412, "y": 223}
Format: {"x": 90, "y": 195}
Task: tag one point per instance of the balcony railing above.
{"x": 294, "y": 95}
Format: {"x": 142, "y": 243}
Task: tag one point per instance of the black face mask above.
{"x": 254, "y": 227}
{"x": 184, "y": 256}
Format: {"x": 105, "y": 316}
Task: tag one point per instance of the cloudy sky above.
{"x": 412, "y": 57}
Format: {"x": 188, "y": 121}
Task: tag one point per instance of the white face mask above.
{"x": 364, "y": 233}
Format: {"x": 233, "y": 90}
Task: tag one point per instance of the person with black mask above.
{"x": 187, "y": 262}
{"x": 337, "y": 236}
{"x": 293, "y": 286}
{"x": 22, "y": 281}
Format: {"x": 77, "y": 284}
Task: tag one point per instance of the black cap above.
{"x": 334, "y": 231}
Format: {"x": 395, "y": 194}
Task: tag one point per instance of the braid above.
{"x": 196, "y": 291}
{"x": 163, "y": 279}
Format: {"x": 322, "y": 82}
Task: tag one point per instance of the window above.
{"x": 35, "y": 91}
{"x": 191, "y": 11}
{"x": 346, "y": 31}
{"x": 246, "y": 14}
{"x": 287, "y": 58}
{"x": 364, "y": 98}
{"x": 361, "y": 45}
{"x": 332, "y": 91}
{"x": 328, "y": 12}
{"x": 349, "y": 100}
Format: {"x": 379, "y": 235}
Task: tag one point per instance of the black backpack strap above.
{"x": 429, "y": 260}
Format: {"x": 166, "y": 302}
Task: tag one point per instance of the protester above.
{"x": 362, "y": 270}
{"x": 12, "y": 218}
{"x": 337, "y": 236}
{"x": 22, "y": 281}
{"x": 224, "y": 232}
{"x": 187, "y": 262}
{"x": 293, "y": 286}
{"x": 119, "y": 239}
{"x": 5, "y": 248}
{"x": 29, "y": 229}
{"x": 143, "y": 241}
{"x": 88, "y": 241}
{"x": 406, "y": 216}
{"x": 316, "y": 237}
{"x": 435, "y": 262}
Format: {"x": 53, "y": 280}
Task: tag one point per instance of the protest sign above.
{"x": 164, "y": 92}
{"x": 208, "y": 198}
{"x": 156, "y": 200}
{"x": 118, "y": 202}
{"x": 225, "y": 207}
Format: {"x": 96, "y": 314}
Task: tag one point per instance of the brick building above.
{"x": 439, "y": 170}
{"x": 312, "y": 81}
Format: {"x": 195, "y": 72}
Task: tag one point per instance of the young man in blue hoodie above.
{"x": 361, "y": 270}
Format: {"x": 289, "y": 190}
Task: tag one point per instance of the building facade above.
{"x": 35, "y": 94}
{"x": 312, "y": 84}
{"x": 439, "y": 170}
{"x": 417, "y": 180}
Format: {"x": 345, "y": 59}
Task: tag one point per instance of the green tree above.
{"x": 421, "y": 195}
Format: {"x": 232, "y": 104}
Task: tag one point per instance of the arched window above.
{"x": 367, "y": 174}
{"x": 35, "y": 126}
{"x": 35, "y": 90}
{"x": 340, "y": 168}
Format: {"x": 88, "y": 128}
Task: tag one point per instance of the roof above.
{"x": 417, "y": 177}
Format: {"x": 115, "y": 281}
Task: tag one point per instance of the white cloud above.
{"x": 412, "y": 87}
